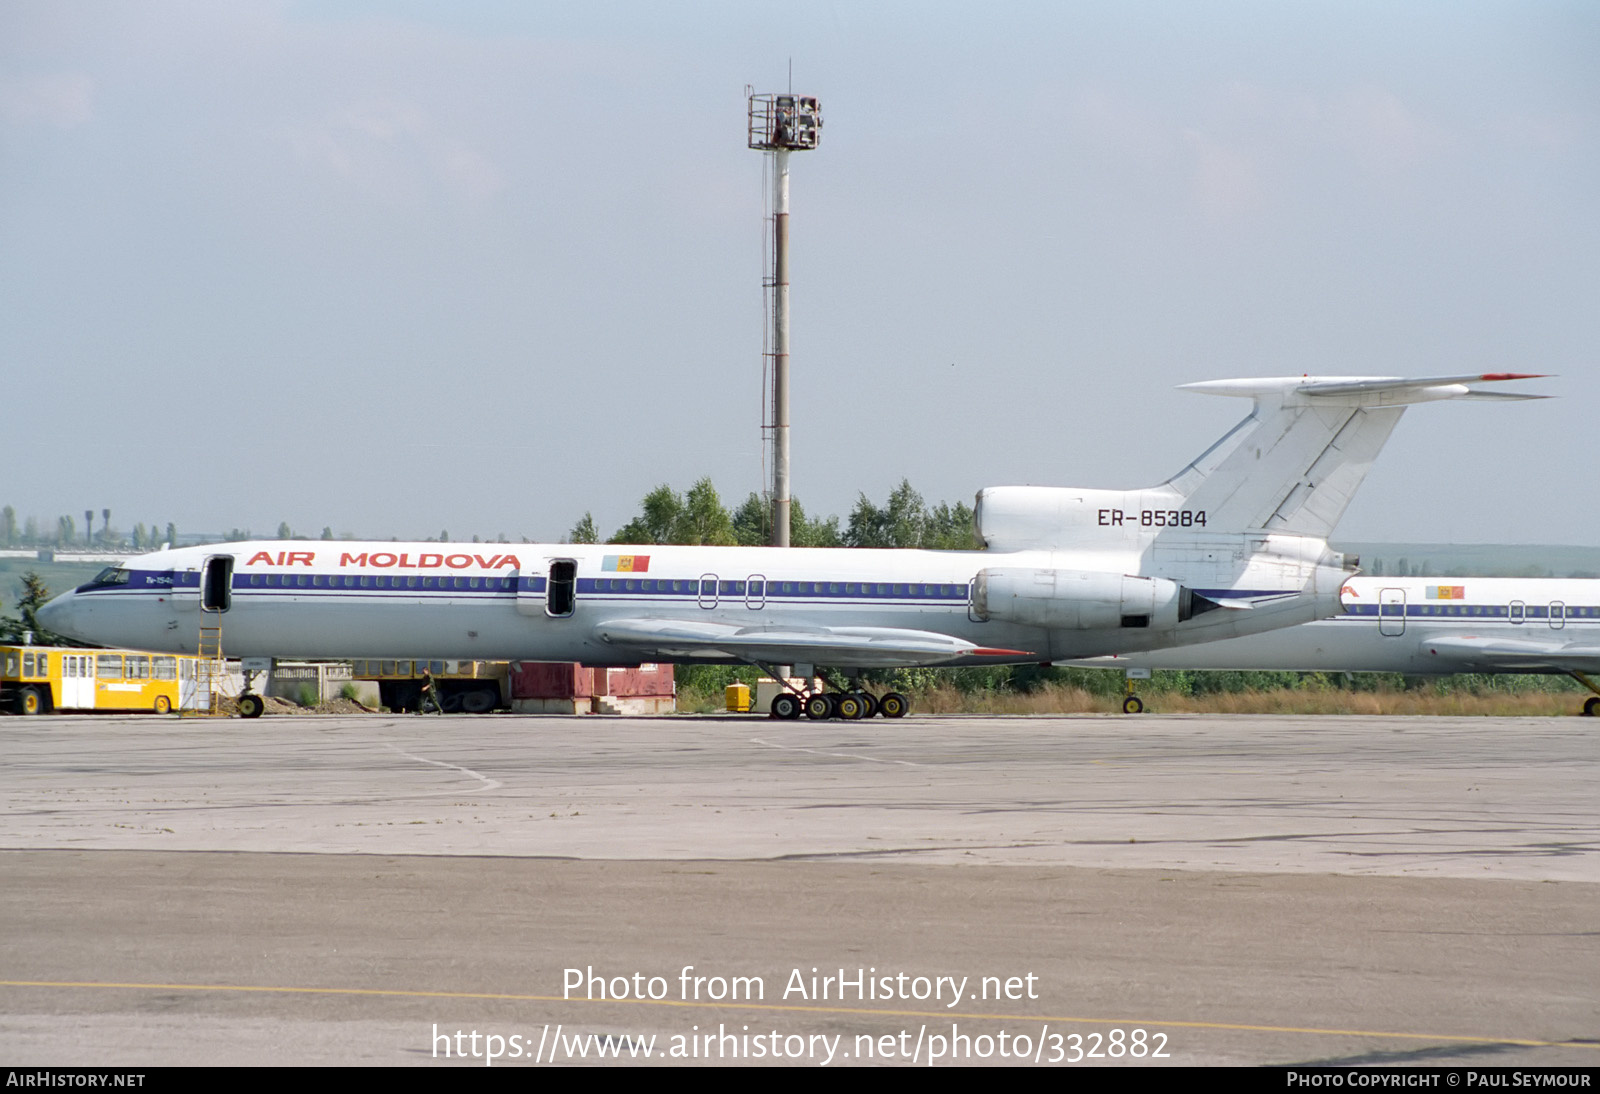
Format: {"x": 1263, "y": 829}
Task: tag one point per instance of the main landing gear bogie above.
{"x": 1591, "y": 705}
{"x": 850, "y": 705}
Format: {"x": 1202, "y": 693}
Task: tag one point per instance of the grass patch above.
{"x": 1030, "y": 689}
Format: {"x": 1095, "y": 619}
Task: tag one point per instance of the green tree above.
{"x": 284, "y": 531}
{"x": 950, "y": 528}
{"x": 704, "y": 520}
{"x": 32, "y": 594}
{"x": 327, "y": 531}
{"x": 658, "y": 515}
{"x": 66, "y": 532}
{"x": 665, "y": 516}
{"x": 901, "y": 523}
{"x": 172, "y": 534}
{"x": 8, "y": 526}
{"x": 752, "y": 525}
{"x": 805, "y": 532}
{"x": 584, "y": 531}
{"x": 906, "y": 521}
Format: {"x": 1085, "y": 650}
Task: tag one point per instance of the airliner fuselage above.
{"x": 619, "y": 605}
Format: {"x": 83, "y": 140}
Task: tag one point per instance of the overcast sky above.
{"x": 405, "y": 267}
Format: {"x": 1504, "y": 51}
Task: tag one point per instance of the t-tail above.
{"x": 1243, "y": 527}
{"x": 1295, "y": 463}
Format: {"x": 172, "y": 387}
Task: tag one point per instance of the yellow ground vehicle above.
{"x": 41, "y": 679}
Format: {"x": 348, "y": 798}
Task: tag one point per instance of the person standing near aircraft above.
{"x": 430, "y": 694}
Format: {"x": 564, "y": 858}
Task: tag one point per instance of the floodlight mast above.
{"x": 780, "y": 124}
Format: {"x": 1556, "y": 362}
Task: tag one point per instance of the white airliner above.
{"x": 1421, "y": 626}
{"x": 1233, "y": 544}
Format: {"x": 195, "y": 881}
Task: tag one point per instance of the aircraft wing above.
{"x": 1517, "y": 654}
{"x": 857, "y": 647}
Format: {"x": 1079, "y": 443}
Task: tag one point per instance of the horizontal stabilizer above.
{"x": 1365, "y": 390}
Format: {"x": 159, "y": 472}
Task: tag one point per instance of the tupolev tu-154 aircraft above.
{"x": 1421, "y": 626}
{"x": 1234, "y": 544}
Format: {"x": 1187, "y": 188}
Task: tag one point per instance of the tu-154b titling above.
{"x": 1234, "y": 544}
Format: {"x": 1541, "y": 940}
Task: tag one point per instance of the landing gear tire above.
{"x": 821, "y": 706}
{"x": 869, "y": 704}
{"x": 1591, "y": 706}
{"x": 163, "y": 705}
{"x": 894, "y": 705}
{"x": 1133, "y": 705}
{"x": 251, "y": 706}
{"x": 786, "y": 706}
{"x": 29, "y": 701}
{"x": 850, "y": 707}
{"x": 478, "y": 702}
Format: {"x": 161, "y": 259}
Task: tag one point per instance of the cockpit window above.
{"x": 111, "y": 575}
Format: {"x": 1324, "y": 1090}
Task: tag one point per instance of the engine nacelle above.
{"x": 1078, "y": 599}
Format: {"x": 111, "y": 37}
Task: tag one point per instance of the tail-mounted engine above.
{"x": 1082, "y": 599}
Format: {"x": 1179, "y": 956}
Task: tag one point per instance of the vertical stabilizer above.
{"x": 1295, "y": 463}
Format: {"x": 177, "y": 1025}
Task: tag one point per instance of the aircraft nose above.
{"x": 58, "y": 615}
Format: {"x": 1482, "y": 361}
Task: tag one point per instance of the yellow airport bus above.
{"x": 42, "y": 679}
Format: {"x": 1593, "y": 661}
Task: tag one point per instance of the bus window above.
{"x": 108, "y": 666}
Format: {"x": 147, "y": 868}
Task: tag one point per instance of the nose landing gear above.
{"x": 1131, "y": 703}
